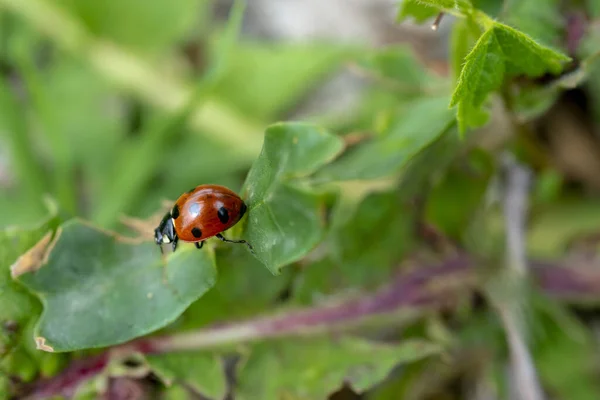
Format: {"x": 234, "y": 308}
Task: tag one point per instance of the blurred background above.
{"x": 97, "y": 109}
{"x": 109, "y": 107}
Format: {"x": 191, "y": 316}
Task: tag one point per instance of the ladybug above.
{"x": 203, "y": 212}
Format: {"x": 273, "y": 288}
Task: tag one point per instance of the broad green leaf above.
{"x": 98, "y": 289}
{"x": 201, "y": 371}
{"x": 285, "y": 216}
{"x": 500, "y": 52}
{"x": 305, "y": 368}
{"x": 412, "y": 129}
{"x": 541, "y": 19}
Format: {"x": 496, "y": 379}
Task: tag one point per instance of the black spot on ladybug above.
{"x": 175, "y": 212}
{"x": 223, "y": 215}
{"x": 196, "y": 232}
{"x": 243, "y": 210}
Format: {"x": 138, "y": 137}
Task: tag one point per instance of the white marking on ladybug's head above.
{"x": 165, "y": 239}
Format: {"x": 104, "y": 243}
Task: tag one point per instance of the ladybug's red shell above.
{"x": 206, "y": 211}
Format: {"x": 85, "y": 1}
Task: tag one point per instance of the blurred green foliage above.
{"x": 108, "y": 108}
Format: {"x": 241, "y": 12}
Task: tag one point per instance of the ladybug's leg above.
{"x": 199, "y": 244}
{"x": 235, "y": 241}
{"x": 175, "y": 240}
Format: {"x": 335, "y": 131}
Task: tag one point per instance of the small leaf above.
{"x": 285, "y": 216}
{"x": 412, "y": 129}
{"x": 314, "y": 368}
{"x": 501, "y": 51}
{"x": 99, "y": 290}
{"x": 201, "y": 371}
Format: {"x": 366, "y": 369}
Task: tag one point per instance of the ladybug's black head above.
{"x": 165, "y": 232}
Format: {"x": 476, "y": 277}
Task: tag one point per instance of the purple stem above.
{"x": 427, "y": 287}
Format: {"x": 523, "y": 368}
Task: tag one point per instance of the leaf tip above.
{"x": 35, "y": 257}
{"x": 40, "y": 344}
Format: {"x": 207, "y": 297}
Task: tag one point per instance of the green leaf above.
{"x": 412, "y": 129}
{"x": 501, "y": 51}
{"x": 285, "y": 216}
{"x": 201, "y": 371}
{"x": 98, "y": 289}
{"x": 314, "y": 368}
